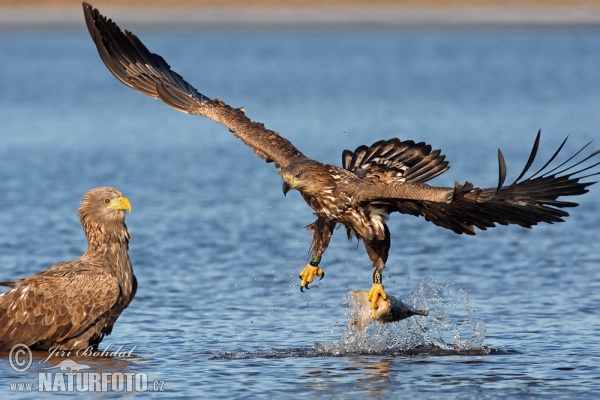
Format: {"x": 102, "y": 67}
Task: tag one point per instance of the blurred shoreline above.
{"x": 56, "y": 14}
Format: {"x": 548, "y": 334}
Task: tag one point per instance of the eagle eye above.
{"x": 106, "y": 201}
{"x": 297, "y": 176}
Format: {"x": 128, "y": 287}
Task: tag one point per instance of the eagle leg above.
{"x": 322, "y": 230}
{"x": 309, "y": 272}
{"x": 378, "y": 250}
{"x": 376, "y": 291}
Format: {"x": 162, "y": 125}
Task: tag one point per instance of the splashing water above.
{"x": 450, "y": 328}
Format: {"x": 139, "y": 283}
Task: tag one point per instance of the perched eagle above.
{"x": 74, "y": 304}
{"x": 373, "y": 182}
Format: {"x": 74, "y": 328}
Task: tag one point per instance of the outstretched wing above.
{"x": 136, "y": 67}
{"x": 55, "y": 306}
{"x": 392, "y": 161}
{"x": 525, "y": 202}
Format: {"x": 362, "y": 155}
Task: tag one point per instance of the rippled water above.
{"x": 217, "y": 248}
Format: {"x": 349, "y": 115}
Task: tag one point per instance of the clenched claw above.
{"x": 303, "y": 287}
{"x": 308, "y": 274}
{"x": 374, "y": 294}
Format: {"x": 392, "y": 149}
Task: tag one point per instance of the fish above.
{"x": 389, "y": 310}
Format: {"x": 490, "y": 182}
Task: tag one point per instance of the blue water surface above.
{"x": 217, "y": 248}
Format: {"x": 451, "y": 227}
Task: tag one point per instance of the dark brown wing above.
{"x": 56, "y": 306}
{"x": 391, "y": 161}
{"x": 132, "y": 64}
{"x": 525, "y": 202}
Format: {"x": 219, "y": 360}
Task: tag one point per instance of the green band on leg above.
{"x": 315, "y": 261}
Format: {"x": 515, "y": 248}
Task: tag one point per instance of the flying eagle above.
{"x": 74, "y": 304}
{"x": 373, "y": 182}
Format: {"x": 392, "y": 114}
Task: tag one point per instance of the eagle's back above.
{"x": 72, "y": 305}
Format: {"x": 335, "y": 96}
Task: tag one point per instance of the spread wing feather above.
{"x": 391, "y": 161}
{"x": 135, "y": 66}
{"x": 396, "y": 169}
{"x": 55, "y": 305}
{"x": 525, "y": 202}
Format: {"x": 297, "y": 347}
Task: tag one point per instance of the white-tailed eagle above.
{"x": 374, "y": 181}
{"x": 74, "y": 304}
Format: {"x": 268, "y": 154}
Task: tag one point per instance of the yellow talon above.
{"x": 374, "y": 294}
{"x": 308, "y": 274}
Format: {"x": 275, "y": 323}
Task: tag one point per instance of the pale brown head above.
{"x": 103, "y": 206}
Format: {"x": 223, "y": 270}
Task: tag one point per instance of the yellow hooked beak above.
{"x": 120, "y": 203}
{"x": 289, "y": 184}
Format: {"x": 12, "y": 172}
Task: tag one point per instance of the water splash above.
{"x": 450, "y": 329}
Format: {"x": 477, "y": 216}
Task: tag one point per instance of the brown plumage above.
{"x": 74, "y": 304}
{"x": 375, "y": 180}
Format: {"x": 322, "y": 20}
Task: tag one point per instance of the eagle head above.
{"x": 304, "y": 175}
{"x": 293, "y": 178}
{"x": 103, "y": 206}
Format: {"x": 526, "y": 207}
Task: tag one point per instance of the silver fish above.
{"x": 389, "y": 310}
